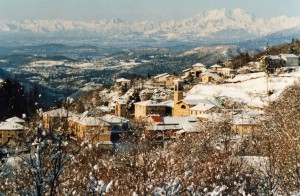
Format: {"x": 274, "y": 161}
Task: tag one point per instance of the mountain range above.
{"x": 222, "y": 24}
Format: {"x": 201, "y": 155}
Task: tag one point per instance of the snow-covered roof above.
{"x": 191, "y": 101}
{"x": 106, "y": 142}
{"x": 216, "y": 66}
{"x": 226, "y": 69}
{"x": 10, "y": 126}
{"x": 185, "y": 70}
{"x": 178, "y": 80}
{"x": 160, "y": 75}
{"x": 213, "y": 117}
{"x": 244, "y": 119}
{"x": 112, "y": 119}
{"x": 60, "y": 112}
{"x": 122, "y": 80}
{"x": 187, "y": 131}
{"x": 15, "y": 119}
{"x": 168, "y": 103}
{"x": 203, "y": 107}
{"x": 122, "y": 101}
{"x": 174, "y": 120}
{"x": 274, "y": 57}
{"x": 149, "y": 103}
{"x": 163, "y": 127}
{"x": 199, "y": 65}
{"x": 92, "y": 121}
{"x": 289, "y": 55}
{"x": 216, "y": 76}
{"x": 164, "y": 77}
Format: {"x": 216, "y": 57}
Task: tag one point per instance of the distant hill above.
{"x": 4, "y": 74}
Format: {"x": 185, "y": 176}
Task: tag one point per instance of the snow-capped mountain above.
{"x": 226, "y": 24}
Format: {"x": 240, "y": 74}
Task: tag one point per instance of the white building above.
{"x": 290, "y": 60}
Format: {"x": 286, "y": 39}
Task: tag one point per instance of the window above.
{"x": 183, "y": 107}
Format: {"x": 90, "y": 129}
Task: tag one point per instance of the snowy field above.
{"x": 252, "y": 89}
{"x": 46, "y": 63}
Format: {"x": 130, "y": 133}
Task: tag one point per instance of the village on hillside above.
{"x": 204, "y": 129}
{"x": 170, "y": 106}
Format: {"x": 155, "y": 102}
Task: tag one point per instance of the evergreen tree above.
{"x": 13, "y": 99}
{"x": 291, "y": 48}
{"x": 33, "y": 99}
{"x": 267, "y": 48}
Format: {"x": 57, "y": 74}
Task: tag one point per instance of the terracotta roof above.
{"x": 157, "y": 119}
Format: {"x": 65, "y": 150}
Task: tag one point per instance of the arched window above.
{"x": 183, "y": 107}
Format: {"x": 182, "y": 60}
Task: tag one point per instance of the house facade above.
{"x": 122, "y": 82}
{"x": 208, "y": 77}
{"x": 10, "y": 131}
{"x": 167, "y": 80}
{"x": 150, "y": 107}
{"x": 290, "y": 60}
{"x": 121, "y": 107}
{"x": 56, "y": 118}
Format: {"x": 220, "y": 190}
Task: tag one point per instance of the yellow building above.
{"x": 145, "y": 108}
{"x": 121, "y": 107}
{"x": 191, "y": 107}
{"x": 215, "y": 67}
{"x": 204, "y": 107}
{"x": 167, "y": 80}
{"x": 123, "y": 82}
{"x": 208, "y": 77}
{"x": 10, "y": 130}
{"x": 245, "y": 124}
{"x": 89, "y": 128}
{"x": 54, "y": 119}
{"x": 182, "y": 107}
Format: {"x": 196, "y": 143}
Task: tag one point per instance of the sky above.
{"x": 133, "y": 10}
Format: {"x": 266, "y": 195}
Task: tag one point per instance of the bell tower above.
{"x": 178, "y": 90}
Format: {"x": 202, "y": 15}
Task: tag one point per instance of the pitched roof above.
{"x": 168, "y": 103}
{"x": 203, "y": 106}
{"x": 216, "y": 76}
{"x": 160, "y": 75}
{"x": 164, "y": 77}
{"x": 173, "y": 120}
{"x": 199, "y": 65}
{"x": 274, "y": 57}
{"x": 15, "y": 119}
{"x": 11, "y": 126}
{"x": 149, "y": 103}
{"x": 185, "y": 70}
{"x": 112, "y": 119}
{"x": 157, "y": 119}
{"x": 289, "y": 55}
{"x": 216, "y": 66}
{"x": 163, "y": 127}
{"x": 122, "y": 80}
{"x": 122, "y": 101}
{"x": 208, "y": 101}
{"x": 178, "y": 80}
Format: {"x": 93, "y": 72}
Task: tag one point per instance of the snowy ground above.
{"x": 252, "y": 89}
{"x": 46, "y": 63}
